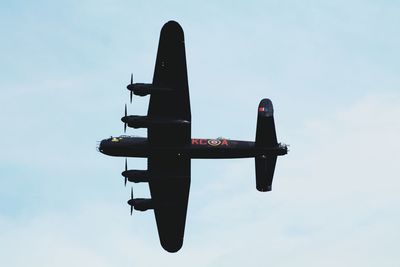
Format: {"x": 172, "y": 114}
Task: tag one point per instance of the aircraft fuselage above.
{"x": 125, "y": 146}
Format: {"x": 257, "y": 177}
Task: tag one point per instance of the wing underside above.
{"x": 170, "y": 72}
{"x": 169, "y": 189}
{"x": 170, "y": 173}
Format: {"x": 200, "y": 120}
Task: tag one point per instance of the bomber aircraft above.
{"x": 169, "y": 146}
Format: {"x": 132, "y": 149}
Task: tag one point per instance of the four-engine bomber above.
{"x": 169, "y": 146}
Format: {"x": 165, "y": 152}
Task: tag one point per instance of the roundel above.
{"x": 213, "y": 142}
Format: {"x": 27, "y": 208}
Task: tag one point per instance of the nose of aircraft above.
{"x": 103, "y": 145}
{"x": 111, "y": 145}
{"x": 100, "y": 146}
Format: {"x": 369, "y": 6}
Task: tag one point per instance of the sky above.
{"x": 330, "y": 68}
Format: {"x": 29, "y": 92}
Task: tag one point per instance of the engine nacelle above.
{"x": 136, "y": 176}
{"x": 147, "y": 122}
{"x": 143, "y": 89}
{"x": 136, "y": 121}
{"x": 141, "y": 204}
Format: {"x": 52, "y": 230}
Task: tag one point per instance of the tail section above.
{"x": 265, "y": 137}
{"x": 265, "y": 167}
{"x": 265, "y": 134}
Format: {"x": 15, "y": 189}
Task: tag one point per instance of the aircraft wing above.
{"x": 170, "y": 173}
{"x": 169, "y": 188}
{"x": 170, "y": 72}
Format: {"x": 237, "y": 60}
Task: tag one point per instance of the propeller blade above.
{"x": 131, "y": 199}
{"x": 126, "y": 168}
{"x": 126, "y": 112}
{"x": 131, "y": 94}
{"x": 131, "y": 78}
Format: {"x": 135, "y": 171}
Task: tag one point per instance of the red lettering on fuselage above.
{"x": 210, "y": 142}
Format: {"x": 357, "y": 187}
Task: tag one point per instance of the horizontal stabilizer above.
{"x": 265, "y": 137}
{"x": 265, "y": 167}
{"x": 265, "y": 133}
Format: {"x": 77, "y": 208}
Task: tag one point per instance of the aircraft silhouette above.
{"x": 169, "y": 147}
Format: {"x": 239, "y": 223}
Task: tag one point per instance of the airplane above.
{"x": 169, "y": 146}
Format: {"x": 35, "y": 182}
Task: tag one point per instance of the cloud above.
{"x": 334, "y": 194}
{"x": 333, "y": 203}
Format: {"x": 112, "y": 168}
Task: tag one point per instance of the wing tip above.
{"x": 172, "y": 247}
{"x": 172, "y": 24}
{"x": 264, "y": 188}
{"x": 172, "y": 27}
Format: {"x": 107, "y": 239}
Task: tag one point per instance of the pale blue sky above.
{"x": 331, "y": 70}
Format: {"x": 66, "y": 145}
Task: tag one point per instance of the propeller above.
{"x": 131, "y": 92}
{"x": 126, "y": 113}
{"x": 126, "y": 168}
{"x": 131, "y": 200}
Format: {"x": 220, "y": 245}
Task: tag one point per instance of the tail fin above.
{"x": 265, "y": 137}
